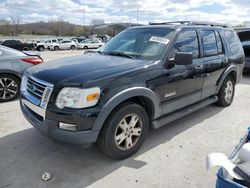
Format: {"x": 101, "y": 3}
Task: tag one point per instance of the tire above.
{"x": 72, "y": 47}
{"x": 25, "y": 49}
{"x": 56, "y": 48}
{"x": 41, "y": 48}
{"x": 85, "y": 47}
{"x": 118, "y": 141}
{"x": 9, "y": 87}
{"x": 226, "y": 93}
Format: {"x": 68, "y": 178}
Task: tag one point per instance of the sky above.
{"x": 111, "y": 11}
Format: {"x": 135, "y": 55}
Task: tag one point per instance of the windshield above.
{"x": 149, "y": 43}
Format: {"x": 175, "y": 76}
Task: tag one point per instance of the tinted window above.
{"x": 9, "y": 42}
{"x": 66, "y": 41}
{"x": 188, "y": 42}
{"x": 233, "y": 42}
{"x": 209, "y": 43}
{"x": 53, "y": 40}
{"x": 219, "y": 43}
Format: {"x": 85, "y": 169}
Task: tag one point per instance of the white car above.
{"x": 90, "y": 44}
{"x": 63, "y": 45}
{"x": 41, "y": 46}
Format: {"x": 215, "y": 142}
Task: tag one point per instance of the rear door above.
{"x": 214, "y": 59}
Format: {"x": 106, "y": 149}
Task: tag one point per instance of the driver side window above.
{"x": 187, "y": 42}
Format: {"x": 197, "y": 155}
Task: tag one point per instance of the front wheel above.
{"x": 226, "y": 93}
{"x": 72, "y": 47}
{"x": 124, "y": 131}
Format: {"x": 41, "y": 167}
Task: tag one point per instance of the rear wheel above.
{"x": 124, "y": 131}
{"x": 9, "y": 88}
{"x": 226, "y": 93}
{"x": 56, "y": 48}
{"x": 85, "y": 47}
{"x": 72, "y": 47}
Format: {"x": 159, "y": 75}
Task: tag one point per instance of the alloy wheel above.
{"x": 229, "y": 89}
{"x": 128, "y": 132}
{"x": 8, "y": 88}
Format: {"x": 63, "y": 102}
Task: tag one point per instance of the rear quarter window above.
{"x": 209, "y": 43}
{"x": 233, "y": 42}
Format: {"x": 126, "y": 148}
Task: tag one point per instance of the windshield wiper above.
{"x": 122, "y": 54}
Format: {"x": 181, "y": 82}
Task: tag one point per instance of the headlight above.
{"x": 24, "y": 83}
{"x": 77, "y": 98}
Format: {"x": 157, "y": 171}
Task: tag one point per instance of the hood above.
{"x": 85, "y": 68}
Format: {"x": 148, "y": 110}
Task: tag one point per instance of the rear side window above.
{"x": 209, "y": 43}
{"x": 233, "y": 41}
{"x": 219, "y": 43}
{"x": 9, "y": 42}
{"x": 188, "y": 42}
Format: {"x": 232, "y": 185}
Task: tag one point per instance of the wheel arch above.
{"x": 12, "y": 73}
{"x": 230, "y": 71}
{"x": 140, "y": 95}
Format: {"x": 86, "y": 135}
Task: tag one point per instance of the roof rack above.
{"x": 202, "y": 23}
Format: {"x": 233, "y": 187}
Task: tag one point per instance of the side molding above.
{"x": 123, "y": 96}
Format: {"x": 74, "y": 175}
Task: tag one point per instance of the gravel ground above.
{"x": 173, "y": 156}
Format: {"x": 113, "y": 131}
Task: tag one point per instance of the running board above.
{"x": 181, "y": 113}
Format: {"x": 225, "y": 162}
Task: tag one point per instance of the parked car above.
{"x": 88, "y": 44}
{"x": 18, "y": 45}
{"x": 144, "y": 77}
{"x": 244, "y": 35}
{"x": 41, "y": 46}
{"x": 12, "y": 65}
{"x": 63, "y": 45}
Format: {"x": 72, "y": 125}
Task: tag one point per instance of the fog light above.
{"x": 68, "y": 127}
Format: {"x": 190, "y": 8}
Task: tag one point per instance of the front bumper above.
{"x": 51, "y": 129}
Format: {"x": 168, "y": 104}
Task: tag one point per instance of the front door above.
{"x": 181, "y": 85}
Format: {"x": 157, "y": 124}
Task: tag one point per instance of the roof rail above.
{"x": 202, "y": 23}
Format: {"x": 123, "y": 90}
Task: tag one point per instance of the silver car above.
{"x": 13, "y": 63}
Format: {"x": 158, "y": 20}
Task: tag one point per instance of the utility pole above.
{"x": 137, "y": 15}
{"x": 83, "y": 20}
{"x": 83, "y": 16}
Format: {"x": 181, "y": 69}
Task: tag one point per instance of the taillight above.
{"x": 33, "y": 60}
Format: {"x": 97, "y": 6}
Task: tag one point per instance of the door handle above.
{"x": 225, "y": 60}
{"x": 199, "y": 67}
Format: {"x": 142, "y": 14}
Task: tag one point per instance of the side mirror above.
{"x": 183, "y": 58}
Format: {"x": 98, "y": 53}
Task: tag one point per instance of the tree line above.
{"x": 14, "y": 27}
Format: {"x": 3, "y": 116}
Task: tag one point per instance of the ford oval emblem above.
{"x": 33, "y": 88}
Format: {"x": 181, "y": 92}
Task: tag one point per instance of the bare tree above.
{"x": 15, "y": 25}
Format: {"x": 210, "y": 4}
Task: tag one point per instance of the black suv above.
{"x": 145, "y": 76}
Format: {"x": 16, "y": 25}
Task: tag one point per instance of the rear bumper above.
{"x": 50, "y": 129}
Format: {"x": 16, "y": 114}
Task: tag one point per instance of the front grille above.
{"x": 35, "y": 88}
{"x": 36, "y": 91}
